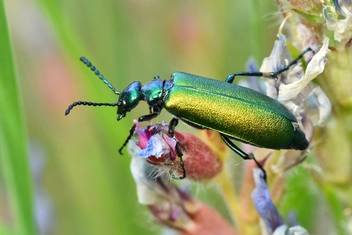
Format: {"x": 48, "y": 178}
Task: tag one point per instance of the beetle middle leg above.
{"x": 172, "y": 125}
{"x": 133, "y": 128}
{"x": 274, "y": 75}
{"x": 242, "y": 154}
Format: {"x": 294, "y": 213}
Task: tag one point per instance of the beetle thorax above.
{"x": 153, "y": 93}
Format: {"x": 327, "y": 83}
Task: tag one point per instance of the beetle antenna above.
{"x": 87, "y": 103}
{"x": 96, "y": 71}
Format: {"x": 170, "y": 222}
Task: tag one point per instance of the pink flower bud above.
{"x": 156, "y": 146}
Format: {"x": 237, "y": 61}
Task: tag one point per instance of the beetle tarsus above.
{"x": 273, "y": 75}
{"x": 286, "y": 67}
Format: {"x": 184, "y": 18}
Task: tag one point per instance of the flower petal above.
{"x": 263, "y": 203}
{"x": 314, "y": 68}
{"x": 154, "y": 144}
{"x": 148, "y": 191}
{"x": 173, "y": 207}
{"x": 296, "y": 230}
{"x": 318, "y": 100}
{"x": 342, "y": 28}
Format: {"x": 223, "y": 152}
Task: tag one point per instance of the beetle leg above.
{"x": 148, "y": 117}
{"x": 286, "y": 67}
{"x": 234, "y": 148}
{"x": 242, "y": 154}
{"x": 172, "y": 125}
{"x": 231, "y": 77}
{"x": 182, "y": 164}
{"x": 274, "y": 75}
{"x": 140, "y": 119}
{"x": 133, "y": 128}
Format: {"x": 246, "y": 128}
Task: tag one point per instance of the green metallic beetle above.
{"x": 234, "y": 111}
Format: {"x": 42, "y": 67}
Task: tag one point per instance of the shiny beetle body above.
{"x": 235, "y": 112}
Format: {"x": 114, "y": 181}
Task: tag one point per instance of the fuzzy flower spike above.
{"x": 155, "y": 146}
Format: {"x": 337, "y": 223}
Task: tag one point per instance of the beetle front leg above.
{"x": 172, "y": 125}
{"x": 133, "y": 128}
{"x": 242, "y": 154}
{"x": 148, "y": 117}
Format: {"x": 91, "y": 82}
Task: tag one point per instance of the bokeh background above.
{"x": 82, "y": 185}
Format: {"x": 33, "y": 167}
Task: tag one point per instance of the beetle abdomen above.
{"x": 235, "y": 111}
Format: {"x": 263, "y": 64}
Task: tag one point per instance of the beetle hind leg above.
{"x": 273, "y": 75}
{"x": 286, "y": 67}
{"x": 242, "y": 154}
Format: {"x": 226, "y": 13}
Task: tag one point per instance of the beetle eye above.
{"x": 121, "y": 103}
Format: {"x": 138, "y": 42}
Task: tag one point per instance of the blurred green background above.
{"x": 84, "y": 186}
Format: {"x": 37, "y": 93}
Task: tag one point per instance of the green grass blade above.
{"x": 13, "y": 153}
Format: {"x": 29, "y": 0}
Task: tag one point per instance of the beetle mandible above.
{"x": 234, "y": 111}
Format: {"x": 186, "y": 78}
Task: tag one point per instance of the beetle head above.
{"x": 129, "y": 99}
